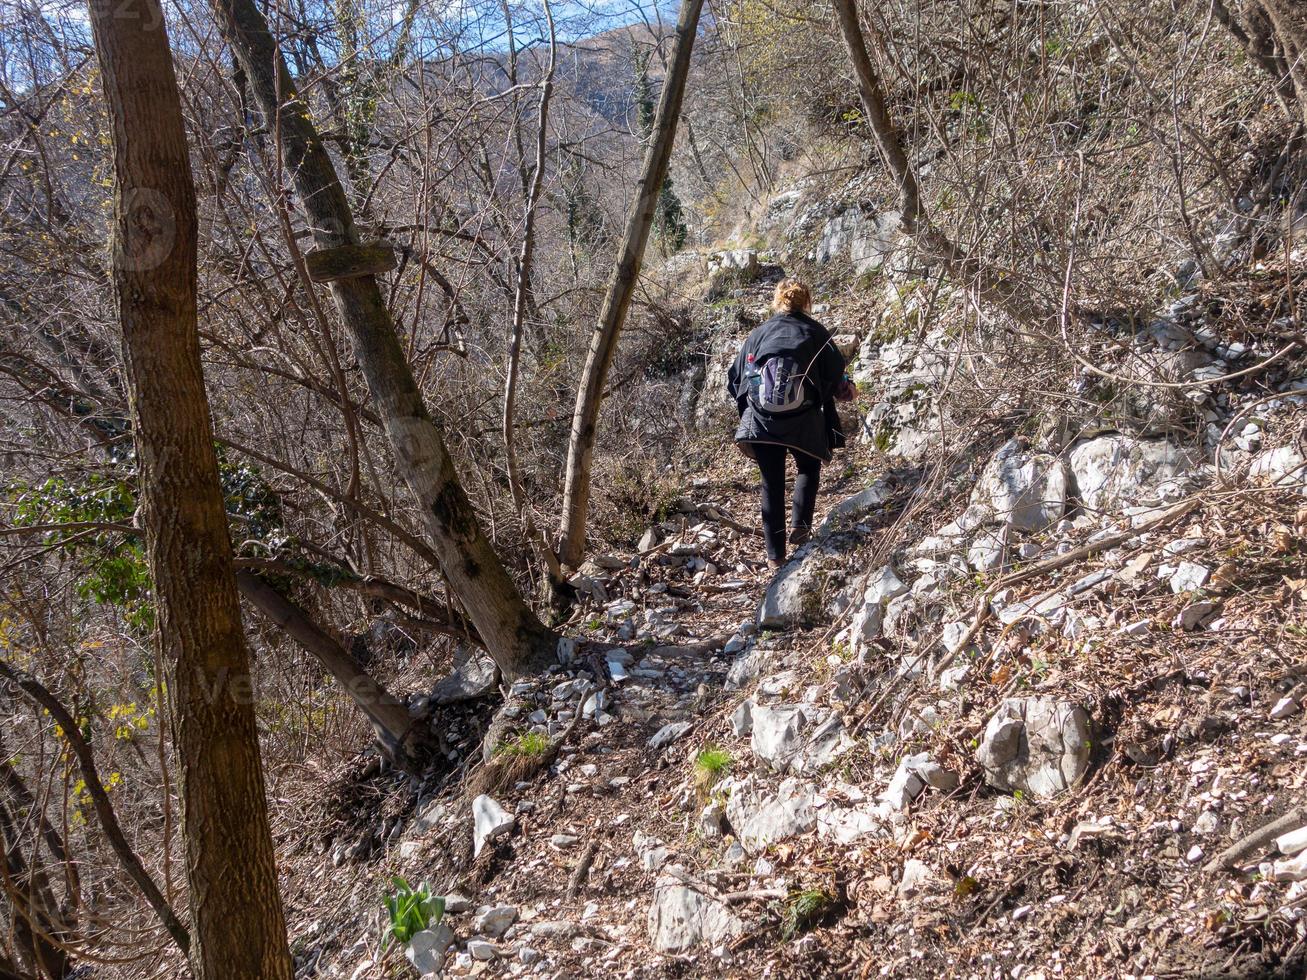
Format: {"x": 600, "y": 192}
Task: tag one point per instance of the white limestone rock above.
{"x": 426, "y": 950}
{"x": 1114, "y": 471}
{"x": 1039, "y": 746}
{"x": 761, "y": 816}
{"x": 490, "y": 821}
{"x": 681, "y": 918}
{"x": 1025, "y": 490}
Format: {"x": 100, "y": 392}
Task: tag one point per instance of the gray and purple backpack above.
{"x": 777, "y": 385}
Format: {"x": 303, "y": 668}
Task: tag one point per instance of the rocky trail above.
{"x": 1019, "y": 709}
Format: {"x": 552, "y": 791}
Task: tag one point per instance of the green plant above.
{"x": 883, "y": 439}
{"x": 710, "y": 766}
{"x": 529, "y": 745}
{"x": 804, "y": 910}
{"x": 410, "y": 911}
{"x": 958, "y": 101}
{"x": 712, "y": 762}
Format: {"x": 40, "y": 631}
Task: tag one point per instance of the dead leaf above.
{"x": 1224, "y": 576}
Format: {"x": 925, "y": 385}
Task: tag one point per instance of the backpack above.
{"x": 777, "y": 385}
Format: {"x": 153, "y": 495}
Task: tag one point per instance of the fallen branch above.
{"x": 1250, "y": 844}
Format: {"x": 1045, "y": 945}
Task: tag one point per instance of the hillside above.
{"x": 1006, "y": 713}
{"x": 384, "y": 594}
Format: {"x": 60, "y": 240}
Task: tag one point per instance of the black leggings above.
{"x": 771, "y": 464}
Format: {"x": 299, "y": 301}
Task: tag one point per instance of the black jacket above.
{"x": 814, "y": 430}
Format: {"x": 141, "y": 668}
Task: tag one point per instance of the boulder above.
{"x": 1114, "y": 471}
{"x": 907, "y": 617}
{"x": 713, "y": 407}
{"x": 852, "y": 508}
{"x": 799, "y": 592}
{"x": 742, "y": 719}
{"x": 668, "y": 734}
{"x": 681, "y": 918}
{"x": 882, "y": 585}
{"x": 866, "y": 240}
{"x": 827, "y": 743}
{"x": 746, "y": 669}
{"x": 1023, "y": 489}
{"x": 1042, "y": 611}
{"x": 1150, "y": 405}
{"x": 865, "y": 626}
{"x": 914, "y": 774}
{"x": 988, "y": 552}
{"x": 778, "y": 733}
{"x": 1039, "y": 746}
{"x": 1282, "y": 467}
{"x": 741, "y": 261}
{"x": 429, "y": 817}
{"x": 760, "y": 816}
{"x": 846, "y": 824}
{"x": 474, "y": 676}
{"x": 494, "y": 920}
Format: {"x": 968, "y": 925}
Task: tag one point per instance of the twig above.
{"x": 582, "y": 870}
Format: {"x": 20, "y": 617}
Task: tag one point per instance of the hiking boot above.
{"x": 800, "y": 536}
{"x": 775, "y": 563}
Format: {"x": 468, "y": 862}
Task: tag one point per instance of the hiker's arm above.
{"x": 833, "y": 424}
{"x": 733, "y": 385}
{"x": 832, "y": 373}
{"x": 831, "y": 368}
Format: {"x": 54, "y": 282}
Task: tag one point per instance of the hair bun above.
{"x": 791, "y": 295}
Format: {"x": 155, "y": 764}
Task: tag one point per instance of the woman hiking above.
{"x": 785, "y": 382}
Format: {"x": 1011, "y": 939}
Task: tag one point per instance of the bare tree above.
{"x": 41, "y": 696}
{"x": 914, "y": 221}
{"x": 386, "y": 713}
{"x": 521, "y": 300}
{"x": 239, "y": 927}
{"x": 512, "y": 632}
{"x": 621, "y": 287}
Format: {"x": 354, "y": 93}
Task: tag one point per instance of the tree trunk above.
{"x": 513, "y": 634}
{"x": 38, "y": 929}
{"x": 1259, "y": 47}
{"x": 1285, "y": 23}
{"x": 962, "y": 269}
{"x": 388, "y": 715}
{"x": 556, "y": 582}
{"x": 239, "y": 928}
{"x": 621, "y": 287}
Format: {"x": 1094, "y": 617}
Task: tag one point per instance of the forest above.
{"x": 385, "y": 589}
